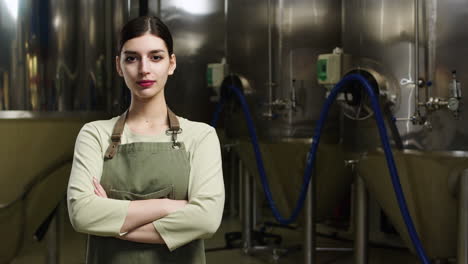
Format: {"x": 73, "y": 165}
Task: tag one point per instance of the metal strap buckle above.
{"x": 173, "y": 133}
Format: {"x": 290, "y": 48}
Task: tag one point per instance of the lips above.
{"x": 145, "y": 83}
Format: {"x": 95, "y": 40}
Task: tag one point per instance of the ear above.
{"x": 117, "y": 66}
{"x": 172, "y": 64}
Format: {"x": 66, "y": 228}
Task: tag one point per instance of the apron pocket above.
{"x": 165, "y": 192}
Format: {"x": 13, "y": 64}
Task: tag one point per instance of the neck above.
{"x": 152, "y": 111}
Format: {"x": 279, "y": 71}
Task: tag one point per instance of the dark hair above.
{"x": 145, "y": 24}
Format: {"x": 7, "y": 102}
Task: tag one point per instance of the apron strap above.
{"x": 116, "y": 136}
{"x": 174, "y": 129}
{"x": 173, "y": 121}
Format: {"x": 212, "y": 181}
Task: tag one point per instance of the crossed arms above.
{"x": 172, "y": 222}
{"x": 138, "y": 226}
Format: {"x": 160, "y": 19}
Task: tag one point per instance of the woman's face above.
{"x": 145, "y": 63}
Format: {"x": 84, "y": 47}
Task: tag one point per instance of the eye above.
{"x": 130, "y": 59}
{"x": 156, "y": 57}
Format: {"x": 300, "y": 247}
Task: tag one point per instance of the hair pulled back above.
{"x": 142, "y": 25}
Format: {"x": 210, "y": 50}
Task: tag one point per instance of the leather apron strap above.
{"x": 173, "y": 130}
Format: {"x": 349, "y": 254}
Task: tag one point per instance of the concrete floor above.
{"x": 292, "y": 239}
{"x": 72, "y": 249}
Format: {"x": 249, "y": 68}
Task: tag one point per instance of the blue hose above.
{"x": 312, "y": 155}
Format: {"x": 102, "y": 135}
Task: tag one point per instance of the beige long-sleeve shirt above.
{"x": 200, "y": 218}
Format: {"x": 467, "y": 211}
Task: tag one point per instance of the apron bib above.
{"x": 140, "y": 171}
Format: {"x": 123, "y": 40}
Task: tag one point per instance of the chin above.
{"x": 146, "y": 95}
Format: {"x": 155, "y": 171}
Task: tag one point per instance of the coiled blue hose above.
{"x": 312, "y": 155}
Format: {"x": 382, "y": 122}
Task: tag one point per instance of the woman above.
{"x": 146, "y": 186}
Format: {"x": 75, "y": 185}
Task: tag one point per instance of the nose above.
{"x": 144, "y": 66}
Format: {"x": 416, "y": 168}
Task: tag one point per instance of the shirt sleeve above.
{"x": 88, "y": 212}
{"x": 201, "y": 217}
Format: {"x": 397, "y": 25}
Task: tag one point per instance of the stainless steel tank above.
{"x": 405, "y": 41}
{"x": 274, "y": 44}
{"x": 58, "y": 55}
{"x": 381, "y": 34}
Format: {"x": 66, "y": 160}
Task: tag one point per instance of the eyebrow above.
{"x": 134, "y": 52}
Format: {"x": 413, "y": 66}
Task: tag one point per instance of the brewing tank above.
{"x": 385, "y": 36}
{"x": 57, "y": 56}
{"x": 417, "y": 47}
{"x": 276, "y": 50}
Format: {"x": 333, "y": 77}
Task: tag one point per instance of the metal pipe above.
{"x": 416, "y": 55}
{"x": 361, "y": 232}
{"x": 462, "y": 251}
{"x": 226, "y": 13}
{"x": 278, "y": 64}
{"x": 310, "y": 241}
{"x": 269, "y": 114}
{"x": 247, "y": 223}
{"x": 430, "y": 25}
{"x": 108, "y": 65}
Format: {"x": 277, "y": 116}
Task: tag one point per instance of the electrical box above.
{"x": 215, "y": 74}
{"x": 330, "y": 67}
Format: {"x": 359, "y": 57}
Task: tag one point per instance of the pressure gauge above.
{"x": 453, "y": 104}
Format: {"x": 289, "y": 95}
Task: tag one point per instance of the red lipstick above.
{"x": 145, "y": 83}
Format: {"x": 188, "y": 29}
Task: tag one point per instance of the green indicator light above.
{"x": 322, "y": 70}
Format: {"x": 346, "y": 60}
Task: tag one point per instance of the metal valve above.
{"x": 453, "y": 103}
{"x": 455, "y": 86}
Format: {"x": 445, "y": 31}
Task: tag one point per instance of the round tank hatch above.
{"x": 356, "y": 102}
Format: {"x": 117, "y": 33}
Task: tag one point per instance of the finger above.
{"x": 102, "y": 191}
{"x": 97, "y": 193}
{"x": 100, "y": 188}
{"x": 97, "y": 189}
{"x": 96, "y": 184}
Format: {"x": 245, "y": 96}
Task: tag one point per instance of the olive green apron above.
{"x": 140, "y": 171}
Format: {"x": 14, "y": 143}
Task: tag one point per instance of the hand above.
{"x": 98, "y": 190}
